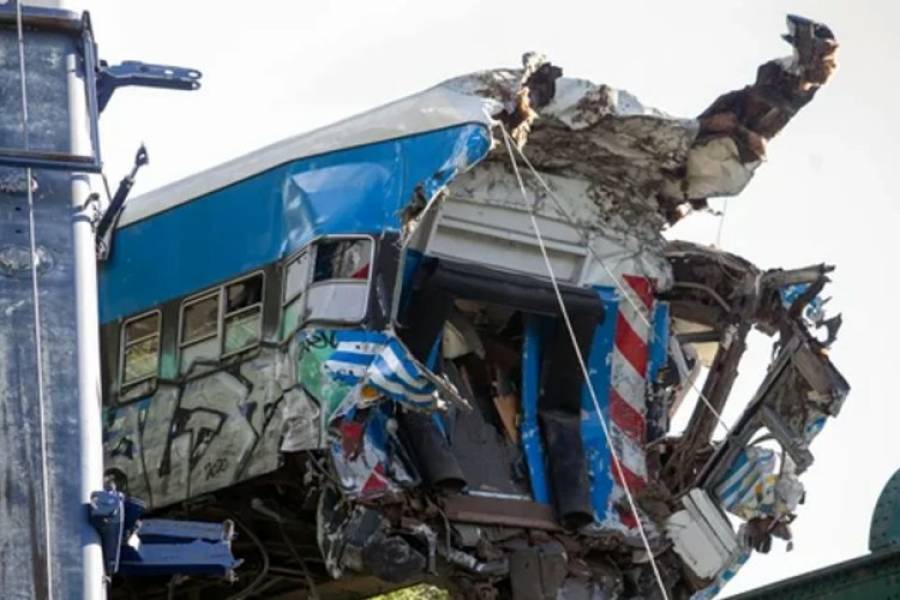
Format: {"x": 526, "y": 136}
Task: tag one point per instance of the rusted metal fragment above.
{"x": 639, "y": 159}
{"x": 729, "y": 296}
{"x": 498, "y": 511}
{"x": 733, "y": 131}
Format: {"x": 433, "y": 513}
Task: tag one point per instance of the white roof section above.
{"x": 436, "y": 108}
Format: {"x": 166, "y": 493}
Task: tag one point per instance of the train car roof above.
{"x": 433, "y": 109}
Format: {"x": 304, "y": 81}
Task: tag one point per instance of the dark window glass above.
{"x": 342, "y": 259}
{"x": 244, "y": 293}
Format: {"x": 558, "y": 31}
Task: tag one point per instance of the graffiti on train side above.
{"x": 210, "y": 432}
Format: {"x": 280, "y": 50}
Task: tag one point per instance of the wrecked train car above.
{"x": 443, "y": 340}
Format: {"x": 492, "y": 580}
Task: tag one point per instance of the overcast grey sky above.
{"x": 276, "y": 68}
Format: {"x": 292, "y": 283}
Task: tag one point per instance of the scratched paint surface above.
{"x": 40, "y": 546}
{"x": 229, "y": 425}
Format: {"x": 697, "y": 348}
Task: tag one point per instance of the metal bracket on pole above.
{"x": 132, "y": 72}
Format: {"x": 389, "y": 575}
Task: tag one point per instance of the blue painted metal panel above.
{"x": 596, "y": 448}
{"x": 658, "y": 356}
{"x": 432, "y": 363}
{"x": 266, "y": 217}
{"x": 659, "y": 342}
{"x": 530, "y": 430}
{"x": 381, "y": 361}
{"x": 412, "y": 260}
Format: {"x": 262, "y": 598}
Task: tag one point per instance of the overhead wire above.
{"x": 581, "y": 363}
{"x": 721, "y": 223}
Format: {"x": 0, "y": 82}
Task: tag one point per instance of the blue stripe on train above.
{"x": 263, "y": 218}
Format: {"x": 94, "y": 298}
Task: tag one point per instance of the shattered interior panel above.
{"x": 428, "y": 369}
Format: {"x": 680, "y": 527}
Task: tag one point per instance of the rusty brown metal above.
{"x": 500, "y": 511}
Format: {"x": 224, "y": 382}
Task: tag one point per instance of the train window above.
{"x": 328, "y": 282}
{"x": 140, "y": 348}
{"x": 339, "y": 291}
{"x": 235, "y": 309}
{"x": 342, "y": 259}
{"x": 243, "y": 313}
{"x": 200, "y": 319}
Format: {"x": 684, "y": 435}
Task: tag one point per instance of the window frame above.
{"x": 196, "y": 299}
{"x": 218, "y": 292}
{"x": 224, "y": 314}
{"x": 309, "y": 269}
{"x": 125, "y": 344}
{"x": 312, "y": 249}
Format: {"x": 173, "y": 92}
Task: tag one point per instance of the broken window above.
{"x": 243, "y": 313}
{"x": 140, "y": 348}
{"x": 328, "y": 282}
{"x": 342, "y": 259}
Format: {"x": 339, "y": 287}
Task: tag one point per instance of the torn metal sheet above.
{"x": 702, "y": 535}
{"x": 731, "y": 142}
{"x": 384, "y": 363}
{"x": 394, "y": 362}
{"x": 365, "y": 457}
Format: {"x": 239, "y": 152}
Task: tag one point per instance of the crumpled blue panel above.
{"x": 381, "y": 361}
{"x": 743, "y": 484}
{"x": 596, "y": 448}
{"x": 263, "y": 218}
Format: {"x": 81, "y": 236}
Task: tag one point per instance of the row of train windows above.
{"x": 327, "y": 281}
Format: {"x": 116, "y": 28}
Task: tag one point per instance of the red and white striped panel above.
{"x": 628, "y": 387}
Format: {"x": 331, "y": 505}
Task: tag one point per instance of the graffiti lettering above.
{"x": 215, "y": 468}
{"x": 317, "y": 340}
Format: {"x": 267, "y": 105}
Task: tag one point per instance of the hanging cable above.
{"x": 36, "y": 302}
{"x": 622, "y": 290}
{"x": 593, "y": 393}
{"x": 721, "y": 223}
{"x": 310, "y": 583}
